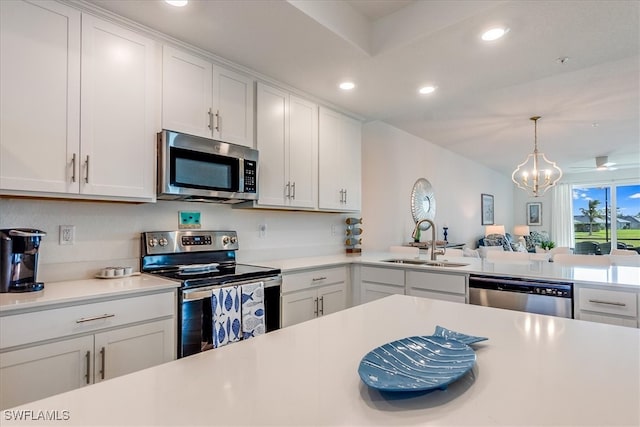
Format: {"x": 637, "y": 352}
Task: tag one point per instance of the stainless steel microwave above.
{"x": 193, "y": 168}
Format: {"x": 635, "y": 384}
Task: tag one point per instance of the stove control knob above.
{"x": 225, "y": 240}
{"x": 234, "y": 239}
{"x": 163, "y": 241}
{"x": 153, "y": 242}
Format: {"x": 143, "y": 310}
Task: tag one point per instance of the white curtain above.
{"x": 562, "y": 215}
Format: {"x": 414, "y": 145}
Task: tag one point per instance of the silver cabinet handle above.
{"x": 73, "y": 166}
{"x": 322, "y": 305}
{"x": 617, "y": 304}
{"x": 210, "y": 115}
{"x": 218, "y": 120}
{"x": 86, "y": 170}
{"x": 317, "y": 279}
{"x": 288, "y": 192}
{"x": 102, "y": 359}
{"x": 341, "y": 195}
{"x": 315, "y": 311}
{"x": 293, "y": 190}
{"x": 88, "y": 373}
{"x": 345, "y": 195}
{"x": 90, "y": 319}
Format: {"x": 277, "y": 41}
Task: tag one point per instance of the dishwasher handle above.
{"x": 524, "y": 286}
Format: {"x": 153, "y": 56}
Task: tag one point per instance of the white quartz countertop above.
{"x": 68, "y": 292}
{"x": 614, "y": 276}
{"x": 533, "y": 370}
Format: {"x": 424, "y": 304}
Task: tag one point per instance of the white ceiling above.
{"x": 590, "y": 105}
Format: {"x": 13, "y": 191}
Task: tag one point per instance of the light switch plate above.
{"x": 189, "y": 219}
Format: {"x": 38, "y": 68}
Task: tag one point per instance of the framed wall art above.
{"x": 534, "y": 213}
{"x": 486, "y": 207}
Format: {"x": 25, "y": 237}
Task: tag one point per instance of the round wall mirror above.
{"x": 423, "y": 202}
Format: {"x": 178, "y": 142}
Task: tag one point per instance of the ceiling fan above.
{"x": 602, "y": 164}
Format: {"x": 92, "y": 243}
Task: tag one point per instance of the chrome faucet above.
{"x": 434, "y": 252}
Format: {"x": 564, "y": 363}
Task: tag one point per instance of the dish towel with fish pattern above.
{"x": 253, "y": 323}
{"x": 225, "y": 311}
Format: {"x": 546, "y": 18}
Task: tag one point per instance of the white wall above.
{"x": 107, "y": 234}
{"x": 392, "y": 160}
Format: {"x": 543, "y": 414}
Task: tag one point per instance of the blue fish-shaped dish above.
{"x": 453, "y": 335}
{"x": 416, "y": 364}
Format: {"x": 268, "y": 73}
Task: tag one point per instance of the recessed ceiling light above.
{"x": 177, "y": 3}
{"x": 427, "y": 89}
{"x": 494, "y": 34}
{"x": 347, "y": 85}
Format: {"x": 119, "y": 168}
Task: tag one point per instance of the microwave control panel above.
{"x": 250, "y": 172}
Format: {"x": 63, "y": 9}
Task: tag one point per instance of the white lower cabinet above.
{"x": 606, "y": 306}
{"x": 376, "y": 283}
{"x": 38, "y": 369}
{"x": 442, "y": 286}
{"x": 313, "y": 293}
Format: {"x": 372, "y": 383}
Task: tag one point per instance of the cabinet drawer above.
{"x": 451, "y": 283}
{"x": 311, "y": 278}
{"x": 42, "y": 325}
{"x": 610, "y": 302}
{"x": 382, "y": 275}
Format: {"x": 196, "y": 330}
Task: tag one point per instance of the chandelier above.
{"x": 536, "y": 174}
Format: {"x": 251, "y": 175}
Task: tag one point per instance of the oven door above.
{"x": 196, "y": 323}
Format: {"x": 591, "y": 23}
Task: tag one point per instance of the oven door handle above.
{"x": 197, "y": 294}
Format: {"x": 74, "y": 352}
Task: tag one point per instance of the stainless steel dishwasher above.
{"x": 520, "y": 294}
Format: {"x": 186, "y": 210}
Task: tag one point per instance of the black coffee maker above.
{"x": 19, "y": 260}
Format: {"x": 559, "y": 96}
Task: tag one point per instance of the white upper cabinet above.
{"x": 202, "y": 99}
{"x": 287, "y": 138}
{"x": 117, "y": 109}
{"x": 39, "y": 96}
{"x": 339, "y": 161}
{"x": 76, "y": 121}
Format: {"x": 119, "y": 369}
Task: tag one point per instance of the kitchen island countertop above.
{"x": 533, "y": 370}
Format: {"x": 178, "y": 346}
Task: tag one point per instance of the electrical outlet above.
{"x": 67, "y": 234}
{"x": 262, "y": 230}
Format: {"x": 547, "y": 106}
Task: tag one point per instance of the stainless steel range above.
{"x": 204, "y": 261}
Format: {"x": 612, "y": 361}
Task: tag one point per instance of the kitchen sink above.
{"x": 425, "y": 262}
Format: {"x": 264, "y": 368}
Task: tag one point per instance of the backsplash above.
{"x": 107, "y": 234}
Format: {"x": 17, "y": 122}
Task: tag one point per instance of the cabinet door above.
{"x": 39, "y": 96}
{"x": 330, "y": 193}
{"x": 44, "y": 370}
{"x": 373, "y": 291}
{"x": 340, "y": 167}
{"x": 232, "y": 107}
{"x": 118, "y": 129}
{"x": 272, "y": 135}
{"x": 351, "y": 163}
{"x": 125, "y": 350}
{"x": 299, "y": 307}
{"x": 186, "y": 93}
{"x": 332, "y": 298}
{"x": 303, "y": 153}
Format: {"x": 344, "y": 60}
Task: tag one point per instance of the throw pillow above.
{"x": 498, "y": 240}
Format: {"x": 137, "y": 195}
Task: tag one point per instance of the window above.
{"x": 606, "y": 216}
